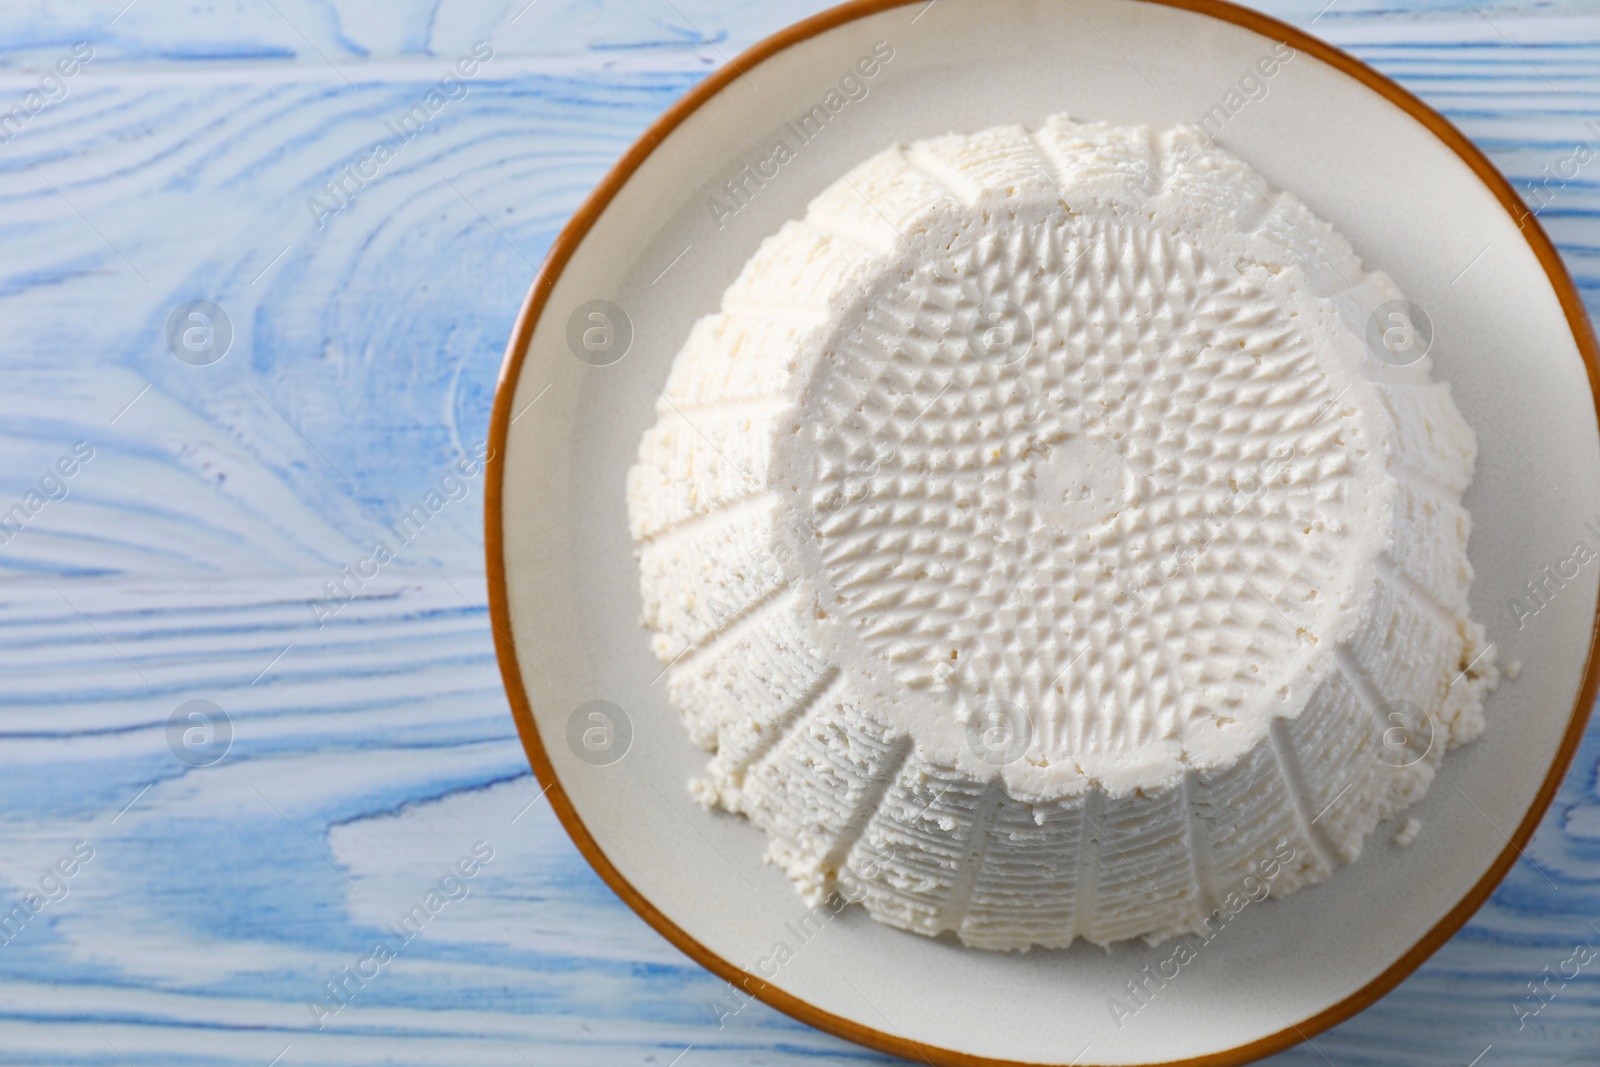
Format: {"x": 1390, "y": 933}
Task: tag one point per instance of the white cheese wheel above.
{"x": 1043, "y": 549}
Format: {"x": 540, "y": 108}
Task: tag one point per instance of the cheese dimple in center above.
{"x": 1077, "y": 481}
{"x": 1066, "y": 464}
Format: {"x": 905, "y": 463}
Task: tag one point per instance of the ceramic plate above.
{"x": 648, "y": 253}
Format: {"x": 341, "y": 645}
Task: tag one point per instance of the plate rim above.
{"x": 565, "y": 246}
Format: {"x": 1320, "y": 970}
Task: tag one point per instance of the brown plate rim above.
{"x": 566, "y": 244}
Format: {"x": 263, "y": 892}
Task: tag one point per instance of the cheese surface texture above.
{"x": 1047, "y": 543}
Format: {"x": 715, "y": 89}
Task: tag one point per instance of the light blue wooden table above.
{"x": 179, "y": 908}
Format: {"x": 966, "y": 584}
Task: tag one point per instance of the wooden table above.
{"x": 354, "y": 749}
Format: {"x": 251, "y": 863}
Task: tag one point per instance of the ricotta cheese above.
{"x": 1041, "y": 547}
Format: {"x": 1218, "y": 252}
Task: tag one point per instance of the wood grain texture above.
{"x": 372, "y": 752}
